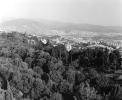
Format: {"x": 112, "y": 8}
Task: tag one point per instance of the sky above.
{"x": 98, "y": 12}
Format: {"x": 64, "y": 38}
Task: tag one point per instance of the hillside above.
{"x": 42, "y": 26}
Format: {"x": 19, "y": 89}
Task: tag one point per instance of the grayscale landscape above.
{"x": 61, "y": 50}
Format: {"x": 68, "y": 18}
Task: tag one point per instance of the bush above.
{"x": 88, "y": 93}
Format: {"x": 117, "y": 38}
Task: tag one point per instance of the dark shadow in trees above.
{"x": 68, "y": 97}
{"x": 45, "y": 68}
{"x": 4, "y": 82}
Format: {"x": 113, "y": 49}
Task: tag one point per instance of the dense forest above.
{"x": 38, "y": 71}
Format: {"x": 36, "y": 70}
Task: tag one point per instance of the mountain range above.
{"x": 46, "y": 27}
{"x": 40, "y": 25}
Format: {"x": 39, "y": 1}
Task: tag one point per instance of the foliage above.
{"x": 37, "y": 88}
{"x": 46, "y": 72}
{"x": 56, "y": 96}
{"x": 88, "y": 93}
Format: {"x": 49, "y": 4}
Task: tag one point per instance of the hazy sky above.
{"x": 101, "y": 12}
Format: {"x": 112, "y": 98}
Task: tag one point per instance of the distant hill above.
{"x": 53, "y": 27}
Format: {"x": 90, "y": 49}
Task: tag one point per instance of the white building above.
{"x": 44, "y": 41}
{"x": 68, "y": 46}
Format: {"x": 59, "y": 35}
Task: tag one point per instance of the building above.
{"x": 120, "y": 51}
{"x": 68, "y": 46}
{"x": 44, "y": 41}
